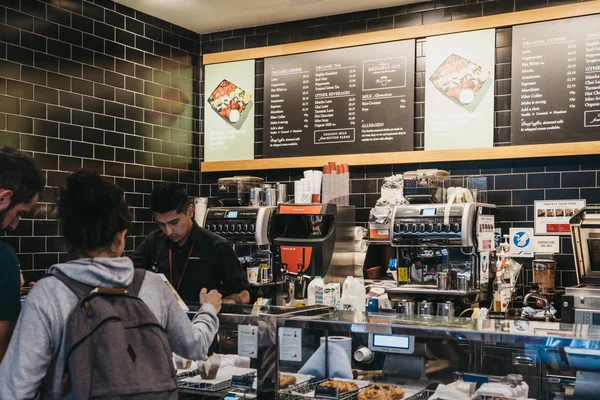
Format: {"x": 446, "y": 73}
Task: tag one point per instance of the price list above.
{"x": 351, "y": 100}
{"x": 556, "y": 81}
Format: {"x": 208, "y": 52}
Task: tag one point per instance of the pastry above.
{"x": 344, "y": 386}
{"x": 286, "y": 381}
{"x": 375, "y": 393}
{"x": 396, "y": 392}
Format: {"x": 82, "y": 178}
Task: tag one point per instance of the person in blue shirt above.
{"x": 21, "y": 183}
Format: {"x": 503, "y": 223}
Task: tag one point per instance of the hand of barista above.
{"x": 213, "y": 297}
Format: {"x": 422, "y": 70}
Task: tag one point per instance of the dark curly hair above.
{"x": 169, "y": 196}
{"x": 19, "y": 173}
{"x": 92, "y": 211}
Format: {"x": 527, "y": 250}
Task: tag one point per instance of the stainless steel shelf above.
{"x": 421, "y": 289}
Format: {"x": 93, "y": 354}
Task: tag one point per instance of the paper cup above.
{"x": 252, "y": 274}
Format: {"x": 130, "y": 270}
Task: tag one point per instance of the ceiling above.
{"x": 204, "y": 16}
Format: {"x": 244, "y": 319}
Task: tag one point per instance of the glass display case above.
{"x": 388, "y": 356}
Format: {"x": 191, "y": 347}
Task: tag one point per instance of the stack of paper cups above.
{"x": 298, "y": 192}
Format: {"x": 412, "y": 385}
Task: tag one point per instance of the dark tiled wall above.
{"x": 95, "y": 84}
{"x": 513, "y": 184}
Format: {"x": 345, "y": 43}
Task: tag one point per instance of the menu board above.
{"x": 556, "y": 81}
{"x": 343, "y": 101}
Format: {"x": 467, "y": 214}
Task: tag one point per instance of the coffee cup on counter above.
{"x": 252, "y": 274}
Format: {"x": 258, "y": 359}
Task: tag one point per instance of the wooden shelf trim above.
{"x": 410, "y": 157}
{"x": 472, "y": 24}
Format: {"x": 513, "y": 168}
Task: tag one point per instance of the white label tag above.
{"x": 546, "y": 244}
{"x": 290, "y": 344}
{"x": 247, "y": 341}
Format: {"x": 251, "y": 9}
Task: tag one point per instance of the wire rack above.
{"x": 300, "y": 392}
{"x": 204, "y": 386}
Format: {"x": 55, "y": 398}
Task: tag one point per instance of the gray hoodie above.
{"x": 35, "y": 357}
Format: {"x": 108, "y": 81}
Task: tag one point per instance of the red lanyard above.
{"x": 184, "y": 267}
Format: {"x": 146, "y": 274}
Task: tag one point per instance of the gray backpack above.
{"x": 114, "y": 346}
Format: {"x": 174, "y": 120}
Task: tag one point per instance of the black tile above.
{"x": 125, "y": 37}
{"x": 33, "y": 7}
{"x": 71, "y": 132}
{"x": 70, "y": 68}
{"x": 69, "y": 35}
{"x": 216, "y": 46}
{"x": 10, "y": 70}
{"x": 498, "y": 7}
{"x": 93, "y": 11}
{"x": 73, "y": 6}
{"x": 114, "y": 139}
{"x": 9, "y": 105}
{"x": 104, "y": 61}
{"x": 363, "y": 186}
{"x": 124, "y": 96}
{"x": 435, "y": 16}
{"x": 82, "y": 23}
{"x": 104, "y": 91}
{"x": 564, "y": 164}
{"x": 448, "y": 3}
{"x": 93, "y": 135}
{"x": 33, "y": 109}
{"x": 93, "y": 42}
{"x": 154, "y": 33}
{"x": 10, "y": 35}
{"x": 92, "y": 104}
{"x": 125, "y": 67}
{"x": 58, "y": 146}
{"x": 511, "y": 181}
{"x": 251, "y": 42}
{"x": 144, "y": 44}
{"x": 430, "y": 5}
{"x": 33, "y": 244}
{"x": 152, "y": 89}
{"x": 93, "y": 74}
{"x": 82, "y": 117}
{"x": 104, "y": 31}
{"x": 511, "y": 214}
{"x": 114, "y": 19}
{"x": 530, "y": 4}
{"x": 354, "y": 27}
{"x": 59, "y": 49}
{"x": 578, "y": 179}
{"x": 46, "y": 61}
{"x": 162, "y": 50}
{"x": 33, "y": 143}
{"x": 236, "y": 43}
{"x": 94, "y": 165}
{"x": 104, "y": 152}
{"x": 134, "y": 142}
{"x": 70, "y": 100}
{"x": 526, "y": 197}
{"x": 10, "y": 139}
{"x": 592, "y": 196}
{"x": 114, "y": 49}
{"x": 32, "y": 41}
{"x": 20, "y": 124}
{"x": 379, "y": 24}
{"x": 104, "y": 122}
{"x": 124, "y": 155}
{"x": 70, "y": 163}
{"x": 20, "y": 55}
{"x": 82, "y": 150}
{"x": 45, "y": 128}
{"x": 145, "y": 159}
{"x": 467, "y": 11}
{"x": 499, "y": 197}
{"x": 321, "y": 32}
{"x": 550, "y": 180}
{"x": 134, "y": 26}
{"x": 19, "y": 89}
{"x": 55, "y": 245}
{"x": 45, "y": 28}
{"x": 82, "y": 55}
{"x": 45, "y": 95}
{"x": 114, "y": 109}
{"x": 19, "y": 20}
{"x": 137, "y": 85}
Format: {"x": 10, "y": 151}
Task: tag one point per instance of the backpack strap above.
{"x": 78, "y": 288}
{"x": 138, "y": 278}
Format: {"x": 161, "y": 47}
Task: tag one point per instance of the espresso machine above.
{"x": 437, "y": 256}
{"x": 246, "y": 228}
{"x": 581, "y": 303}
{"x": 312, "y": 240}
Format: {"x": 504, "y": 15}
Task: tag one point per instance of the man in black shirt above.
{"x": 189, "y": 256}
{"x": 20, "y": 185}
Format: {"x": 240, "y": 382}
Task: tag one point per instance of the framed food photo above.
{"x": 459, "y": 90}
{"x": 229, "y": 111}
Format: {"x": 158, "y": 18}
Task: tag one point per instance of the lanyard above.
{"x": 184, "y": 267}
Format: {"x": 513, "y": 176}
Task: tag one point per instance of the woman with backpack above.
{"x": 94, "y": 327}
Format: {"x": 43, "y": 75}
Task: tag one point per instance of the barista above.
{"x": 191, "y": 257}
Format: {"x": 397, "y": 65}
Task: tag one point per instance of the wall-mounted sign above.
{"x": 546, "y": 244}
{"x": 229, "y": 111}
{"x": 521, "y": 242}
{"x": 343, "y": 101}
{"x": 552, "y": 217}
{"x": 556, "y": 81}
{"x": 459, "y": 90}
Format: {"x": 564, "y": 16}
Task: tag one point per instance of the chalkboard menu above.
{"x": 556, "y": 81}
{"x": 344, "y": 101}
